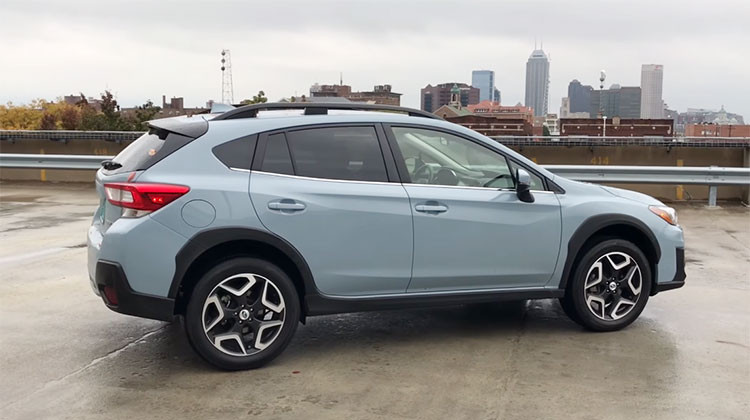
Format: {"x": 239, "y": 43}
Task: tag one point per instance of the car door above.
{"x": 470, "y": 229}
{"x": 327, "y": 191}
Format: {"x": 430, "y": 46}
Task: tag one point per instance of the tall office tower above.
{"x": 652, "y": 78}
{"x": 580, "y": 96}
{"x": 484, "y": 80}
{"x": 537, "y": 82}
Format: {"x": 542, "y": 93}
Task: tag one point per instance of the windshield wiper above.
{"x": 111, "y": 165}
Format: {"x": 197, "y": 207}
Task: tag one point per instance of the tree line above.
{"x": 103, "y": 115}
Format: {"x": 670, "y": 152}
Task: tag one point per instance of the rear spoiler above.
{"x": 193, "y": 126}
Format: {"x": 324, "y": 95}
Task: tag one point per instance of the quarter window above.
{"x": 277, "y": 158}
{"x": 437, "y": 158}
{"x": 347, "y": 153}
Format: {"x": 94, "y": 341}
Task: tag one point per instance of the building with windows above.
{"x": 490, "y": 118}
{"x": 580, "y": 96}
{"x": 616, "y": 127}
{"x": 537, "y": 82}
{"x": 484, "y": 80}
{"x": 433, "y": 97}
{"x": 380, "y": 94}
{"x": 652, "y": 78}
{"x": 617, "y": 101}
{"x": 717, "y": 130}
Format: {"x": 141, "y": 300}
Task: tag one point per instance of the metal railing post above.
{"x": 712, "y": 193}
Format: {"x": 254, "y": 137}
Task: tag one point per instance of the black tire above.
{"x": 574, "y": 302}
{"x": 194, "y": 316}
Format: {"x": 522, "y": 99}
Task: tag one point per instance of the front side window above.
{"x": 437, "y": 158}
{"x": 345, "y": 153}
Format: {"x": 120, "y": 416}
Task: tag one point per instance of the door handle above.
{"x": 431, "y": 208}
{"x": 286, "y": 205}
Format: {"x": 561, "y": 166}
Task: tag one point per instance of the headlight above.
{"x": 667, "y": 213}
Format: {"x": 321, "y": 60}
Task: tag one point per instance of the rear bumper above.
{"x": 110, "y": 274}
{"x": 679, "y": 276}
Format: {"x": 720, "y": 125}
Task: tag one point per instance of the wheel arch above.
{"x": 620, "y": 226}
{"x": 207, "y": 248}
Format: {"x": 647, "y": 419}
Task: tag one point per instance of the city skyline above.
{"x": 142, "y": 56}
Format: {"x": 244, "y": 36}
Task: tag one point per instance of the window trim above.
{"x": 404, "y": 174}
{"x": 389, "y": 161}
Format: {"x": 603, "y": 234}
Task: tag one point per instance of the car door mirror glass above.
{"x": 523, "y": 186}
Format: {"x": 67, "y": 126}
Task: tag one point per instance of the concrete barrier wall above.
{"x": 648, "y": 156}
{"x": 558, "y": 155}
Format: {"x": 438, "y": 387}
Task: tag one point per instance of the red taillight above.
{"x": 141, "y": 196}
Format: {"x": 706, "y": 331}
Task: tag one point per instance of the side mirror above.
{"x": 523, "y": 186}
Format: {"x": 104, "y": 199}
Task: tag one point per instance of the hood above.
{"x": 632, "y": 195}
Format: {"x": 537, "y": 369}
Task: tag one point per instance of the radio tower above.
{"x": 227, "y": 90}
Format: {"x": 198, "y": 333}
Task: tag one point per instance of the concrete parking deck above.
{"x": 64, "y": 355}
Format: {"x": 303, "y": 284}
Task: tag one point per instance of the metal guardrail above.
{"x": 712, "y": 176}
{"x": 35, "y": 161}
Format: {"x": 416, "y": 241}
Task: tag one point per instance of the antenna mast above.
{"x": 227, "y": 89}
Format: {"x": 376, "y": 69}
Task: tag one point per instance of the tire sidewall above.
{"x": 194, "y": 313}
{"x": 576, "y": 291}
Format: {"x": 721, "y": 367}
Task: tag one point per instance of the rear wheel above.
{"x": 242, "y": 314}
{"x": 610, "y": 286}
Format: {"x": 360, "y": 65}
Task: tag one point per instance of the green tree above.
{"x": 260, "y": 98}
{"x": 143, "y": 114}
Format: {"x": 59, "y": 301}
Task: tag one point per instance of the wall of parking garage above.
{"x": 628, "y": 154}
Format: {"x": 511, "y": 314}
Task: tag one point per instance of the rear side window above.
{"x": 149, "y": 149}
{"x": 347, "y": 153}
{"x": 277, "y": 158}
{"x": 238, "y": 153}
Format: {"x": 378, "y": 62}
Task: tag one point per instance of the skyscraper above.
{"x": 652, "y": 78}
{"x": 484, "y": 80}
{"x": 537, "y": 82}
{"x": 580, "y": 96}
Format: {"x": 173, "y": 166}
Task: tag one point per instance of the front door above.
{"x": 326, "y": 191}
{"x": 470, "y": 229}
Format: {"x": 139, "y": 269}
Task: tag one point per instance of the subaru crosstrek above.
{"x": 248, "y": 221}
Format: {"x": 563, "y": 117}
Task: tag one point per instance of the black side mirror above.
{"x": 523, "y": 186}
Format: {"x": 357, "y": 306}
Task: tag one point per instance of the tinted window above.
{"x": 277, "y": 159}
{"x": 149, "y": 149}
{"x": 349, "y": 153}
{"x": 438, "y": 158}
{"x": 237, "y": 153}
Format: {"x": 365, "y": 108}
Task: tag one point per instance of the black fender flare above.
{"x": 594, "y": 224}
{"x": 205, "y": 240}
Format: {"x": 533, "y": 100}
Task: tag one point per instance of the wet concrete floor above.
{"x": 64, "y": 355}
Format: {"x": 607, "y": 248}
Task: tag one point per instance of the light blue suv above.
{"x": 248, "y": 221}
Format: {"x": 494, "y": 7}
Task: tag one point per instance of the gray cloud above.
{"x": 141, "y": 50}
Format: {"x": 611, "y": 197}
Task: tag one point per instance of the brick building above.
{"x": 489, "y": 118}
{"x": 433, "y": 97}
{"x": 616, "y": 127}
{"x": 716, "y": 130}
{"x": 380, "y": 94}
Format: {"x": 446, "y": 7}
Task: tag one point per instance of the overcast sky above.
{"x": 141, "y": 50}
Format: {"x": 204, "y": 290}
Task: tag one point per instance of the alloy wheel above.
{"x": 243, "y": 314}
{"x": 613, "y": 286}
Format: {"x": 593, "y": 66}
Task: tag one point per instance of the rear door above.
{"x": 327, "y": 190}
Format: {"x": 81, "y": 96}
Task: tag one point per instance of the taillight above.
{"x": 141, "y": 197}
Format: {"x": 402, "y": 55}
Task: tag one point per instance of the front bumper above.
{"x": 679, "y": 276}
{"x": 111, "y": 275}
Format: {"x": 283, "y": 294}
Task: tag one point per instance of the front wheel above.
{"x": 242, "y": 314}
{"x": 610, "y": 286}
